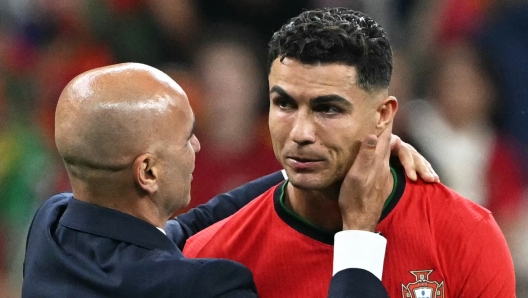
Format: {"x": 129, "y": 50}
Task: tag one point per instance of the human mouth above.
{"x": 302, "y": 163}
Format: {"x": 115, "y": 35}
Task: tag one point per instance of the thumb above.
{"x": 366, "y": 154}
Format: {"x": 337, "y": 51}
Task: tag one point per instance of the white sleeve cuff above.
{"x": 359, "y": 249}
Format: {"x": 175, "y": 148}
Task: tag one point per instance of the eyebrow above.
{"x": 321, "y": 99}
{"x": 280, "y": 91}
{"x": 331, "y": 98}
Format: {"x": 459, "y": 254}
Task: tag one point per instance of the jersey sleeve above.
{"x": 483, "y": 266}
{"x": 218, "y": 208}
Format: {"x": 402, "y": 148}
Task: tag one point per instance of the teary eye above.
{"x": 284, "y": 103}
{"x": 327, "y": 109}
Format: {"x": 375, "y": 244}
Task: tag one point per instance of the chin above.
{"x": 309, "y": 181}
{"x": 186, "y": 200}
{"x": 182, "y": 202}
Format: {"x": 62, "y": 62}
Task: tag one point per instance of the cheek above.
{"x": 347, "y": 138}
{"x": 279, "y": 132}
{"x": 277, "y": 142}
{"x": 184, "y": 161}
{"x": 279, "y": 129}
{"x": 365, "y": 123}
{"x": 348, "y": 147}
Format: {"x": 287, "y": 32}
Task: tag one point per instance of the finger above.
{"x": 437, "y": 178}
{"x": 395, "y": 143}
{"x": 433, "y": 176}
{"x": 379, "y": 171}
{"x": 408, "y": 160}
{"x": 433, "y": 173}
{"x": 423, "y": 168}
{"x": 384, "y": 143}
{"x": 366, "y": 155}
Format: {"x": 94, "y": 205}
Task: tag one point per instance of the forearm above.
{"x": 221, "y": 206}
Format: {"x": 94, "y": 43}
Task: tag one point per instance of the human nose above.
{"x": 195, "y": 144}
{"x": 302, "y": 131}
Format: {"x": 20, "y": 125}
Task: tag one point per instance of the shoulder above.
{"x": 444, "y": 205}
{"x": 196, "y": 243}
{"x": 450, "y": 217}
{"x": 465, "y": 237}
{"x": 455, "y": 219}
{"x": 471, "y": 243}
{"x": 242, "y": 219}
{"x": 56, "y": 201}
{"x": 51, "y": 210}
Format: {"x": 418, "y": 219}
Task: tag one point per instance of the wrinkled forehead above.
{"x": 308, "y": 80}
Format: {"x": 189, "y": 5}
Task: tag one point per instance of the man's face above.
{"x": 318, "y": 118}
{"x": 178, "y": 156}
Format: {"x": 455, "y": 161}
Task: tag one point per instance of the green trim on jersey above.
{"x": 306, "y": 222}
{"x": 295, "y": 215}
{"x": 389, "y": 199}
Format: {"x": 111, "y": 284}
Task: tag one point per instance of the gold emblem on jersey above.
{"x": 423, "y": 287}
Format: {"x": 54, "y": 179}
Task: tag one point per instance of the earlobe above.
{"x": 386, "y": 110}
{"x": 146, "y": 173}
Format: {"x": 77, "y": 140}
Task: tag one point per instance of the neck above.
{"x": 141, "y": 207}
{"x": 321, "y": 207}
{"x": 318, "y": 207}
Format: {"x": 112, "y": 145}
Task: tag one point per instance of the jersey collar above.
{"x": 313, "y": 231}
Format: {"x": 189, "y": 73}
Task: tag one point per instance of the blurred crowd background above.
{"x": 460, "y": 75}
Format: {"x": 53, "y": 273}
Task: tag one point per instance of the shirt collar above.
{"x": 110, "y": 223}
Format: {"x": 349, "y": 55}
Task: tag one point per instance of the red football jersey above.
{"x": 439, "y": 245}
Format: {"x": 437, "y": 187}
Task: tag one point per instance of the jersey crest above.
{"x": 423, "y": 287}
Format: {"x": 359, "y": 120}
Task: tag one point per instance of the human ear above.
{"x": 146, "y": 172}
{"x": 386, "y": 111}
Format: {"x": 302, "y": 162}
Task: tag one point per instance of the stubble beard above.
{"x": 328, "y": 189}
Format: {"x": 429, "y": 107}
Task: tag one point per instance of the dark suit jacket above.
{"x": 77, "y": 249}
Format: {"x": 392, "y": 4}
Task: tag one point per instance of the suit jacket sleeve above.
{"x": 227, "y": 279}
{"x": 355, "y": 282}
{"x": 218, "y": 208}
{"x": 222, "y": 278}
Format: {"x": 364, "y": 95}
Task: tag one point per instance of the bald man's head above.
{"x": 109, "y": 116}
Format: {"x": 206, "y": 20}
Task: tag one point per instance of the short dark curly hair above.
{"x": 337, "y": 35}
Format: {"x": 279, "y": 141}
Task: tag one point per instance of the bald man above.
{"x": 126, "y": 135}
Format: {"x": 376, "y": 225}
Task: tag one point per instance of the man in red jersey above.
{"x": 329, "y": 72}
{"x": 130, "y": 163}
